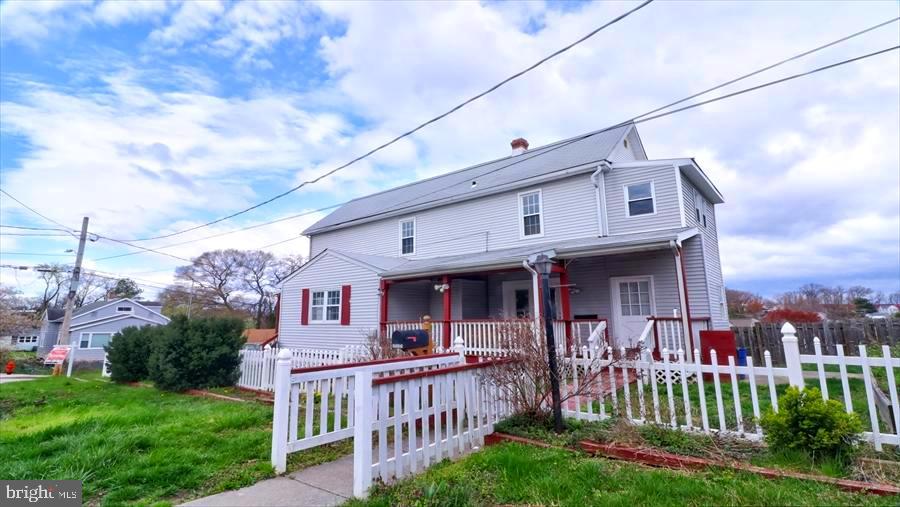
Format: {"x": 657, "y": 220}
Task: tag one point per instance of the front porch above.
{"x": 633, "y": 298}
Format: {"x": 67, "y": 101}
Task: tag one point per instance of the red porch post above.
{"x": 383, "y": 286}
{"x": 566, "y": 308}
{"x": 679, "y": 253}
{"x": 447, "y": 314}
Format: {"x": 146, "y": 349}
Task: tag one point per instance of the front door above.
{"x": 518, "y": 300}
{"x": 632, "y": 301}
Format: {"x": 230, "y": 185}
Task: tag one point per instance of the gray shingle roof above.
{"x": 456, "y": 185}
{"x": 514, "y": 256}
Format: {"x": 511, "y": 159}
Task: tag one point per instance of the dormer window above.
{"x": 640, "y": 199}
{"x": 408, "y": 237}
{"x": 124, "y": 309}
{"x": 531, "y": 218}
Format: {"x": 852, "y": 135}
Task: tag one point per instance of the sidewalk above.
{"x": 326, "y": 484}
{"x": 18, "y": 377}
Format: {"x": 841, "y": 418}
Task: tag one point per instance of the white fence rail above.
{"x": 420, "y": 419}
{"x": 730, "y": 398}
{"x": 258, "y": 366}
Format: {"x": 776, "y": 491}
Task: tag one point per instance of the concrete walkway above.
{"x": 326, "y": 484}
{"x": 18, "y": 377}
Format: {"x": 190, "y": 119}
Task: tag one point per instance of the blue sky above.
{"x": 152, "y": 116}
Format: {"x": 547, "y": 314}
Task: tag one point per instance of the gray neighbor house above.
{"x": 633, "y": 240}
{"x": 94, "y": 324}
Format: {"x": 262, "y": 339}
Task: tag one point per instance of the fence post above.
{"x": 792, "y": 355}
{"x": 459, "y": 346}
{"x": 362, "y": 433}
{"x": 280, "y": 410}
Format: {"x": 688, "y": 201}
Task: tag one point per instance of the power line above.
{"x": 38, "y": 213}
{"x": 559, "y": 145}
{"x": 38, "y": 254}
{"x": 4, "y": 226}
{"x": 36, "y": 234}
{"x": 143, "y": 248}
{"x": 411, "y": 131}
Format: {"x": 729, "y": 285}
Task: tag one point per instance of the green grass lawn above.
{"x": 517, "y": 474}
{"x": 136, "y": 445}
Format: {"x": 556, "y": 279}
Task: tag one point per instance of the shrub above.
{"x": 128, "y": 353}
{"x": 806, "y": 422}
{"x": 791, "y": 315}
{"x": 197, "y": 353}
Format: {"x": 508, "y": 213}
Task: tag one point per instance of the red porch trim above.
{"x": 383, "y": 286}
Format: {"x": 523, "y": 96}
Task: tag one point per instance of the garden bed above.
{"x": 863, "y": 465}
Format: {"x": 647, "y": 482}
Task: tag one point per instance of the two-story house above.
{"x": 633, "y": 240}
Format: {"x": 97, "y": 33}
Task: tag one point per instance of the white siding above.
{"x": 490, "y": 223}
{"x": 666, "y": 204}
{"x": 633, "y": 150}
{"x": 705, "y": 261}
{"x": 329, "y": 272}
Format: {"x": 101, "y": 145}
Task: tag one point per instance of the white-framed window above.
{"x": 124, "y": 309}
{"x": 531, "y": 216}
{"x": 408, "y": 236}
{"x": 640, "y": 199}
{"x": 325, "y": 305}
{"x": 635, "y": 298}
{"x": 94, "y": 340}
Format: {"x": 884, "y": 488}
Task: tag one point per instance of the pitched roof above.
{"x": 260, "y": 336}
{"x": 58, "y": 314}
{"x": 491, "y": 177}
{"x": 513, "y": 257}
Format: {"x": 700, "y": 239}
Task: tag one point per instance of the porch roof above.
{"x": 513, "y": 257}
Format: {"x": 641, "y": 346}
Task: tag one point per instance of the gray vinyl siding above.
{"x": 409, "y": 300}
{"x": 326, "y": 272}
{"x": 103, "y": 327}
{"x": 634, "y": 150}
{"x": 695, "y": 270}
{"x": 704, "y": 261}
{"x": 592, "y": 275}
{"x": 490, "y": 223}
{"x": 48, "y": 337}
{"x": 472, "y": 299}
{"x": 666, "y": 203}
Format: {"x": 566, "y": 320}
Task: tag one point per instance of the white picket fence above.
{"x": 258, "y": 366}
{"x": 676, "y": 392}
{"x": 404, "y": 414}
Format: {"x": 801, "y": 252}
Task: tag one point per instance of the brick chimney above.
{"x": 519, "y": 145}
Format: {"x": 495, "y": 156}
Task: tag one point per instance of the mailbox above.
{"x": 409, "y": 339}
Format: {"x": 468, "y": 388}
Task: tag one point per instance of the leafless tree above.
{"x": 54, "y": 278}
{"x": 894, "y": 298}
{"x": 259, "y": 276}
{"x": 14, "y": 312}
{"x": 859, "y": 292}
{"x": 286, "y": 267}
{"x": 216, "y": 274}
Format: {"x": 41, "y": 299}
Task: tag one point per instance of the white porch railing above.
{"x": 258, "y": 366}
{"x": 437, "y": 329}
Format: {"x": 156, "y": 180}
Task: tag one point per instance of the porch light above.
{"x": 441, "y": 287}
{"x": 543, "y": 265}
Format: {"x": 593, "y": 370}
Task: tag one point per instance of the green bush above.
{"x": 197, "y": 353}
{"x": 806, "y": 422}
{"x": 128, "y": 353}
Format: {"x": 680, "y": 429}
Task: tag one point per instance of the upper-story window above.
{"x": 326, "y": 305}
{"x": 640, "y": 198}
{"x": 531, "y": 219}
{"x": 700, "y": 207}
{"x": 408, "y": 236}
{"x": 124, "y": 309}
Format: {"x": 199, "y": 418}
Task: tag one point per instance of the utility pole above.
{"x": 70, "y": 298}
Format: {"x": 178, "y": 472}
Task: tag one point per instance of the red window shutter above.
{"x": 345, "y": 305}
{"x": 304, "y": 308}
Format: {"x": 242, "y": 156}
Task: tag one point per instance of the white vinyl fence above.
{"x": 729, "y": 399}
{"x": 404, "y": 414}
{"x": 258, "y": 366}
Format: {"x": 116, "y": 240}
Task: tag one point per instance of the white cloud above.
{"x": 114, "y": 12}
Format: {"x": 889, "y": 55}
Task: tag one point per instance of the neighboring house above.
{"x": 631, "y": 238}
{"x": 886, "y": 310}
{"x": 22, "y": 339}
{"x": 94, "y": 325}
{"x": 260, "y": 338}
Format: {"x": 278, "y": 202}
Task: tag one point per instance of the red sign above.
{"x": 58, "y": 355}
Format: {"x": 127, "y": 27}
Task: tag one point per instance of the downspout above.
{"x": 682, "y": 296}
{"x": 534, "y": 291}
{"x": 598, "y": 178}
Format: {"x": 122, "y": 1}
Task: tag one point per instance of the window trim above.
{"x": 324, "y": 306}
{"x": 629, "y": 201}
{"x": 699, "y": 208}
{"x": 521, "y": 213}
{"x": 119, "y": 309}
{"x": 91, "y": 339}
{"x": 400, "y": 235}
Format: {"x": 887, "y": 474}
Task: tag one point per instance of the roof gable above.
{"x": 488, "y": 178}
